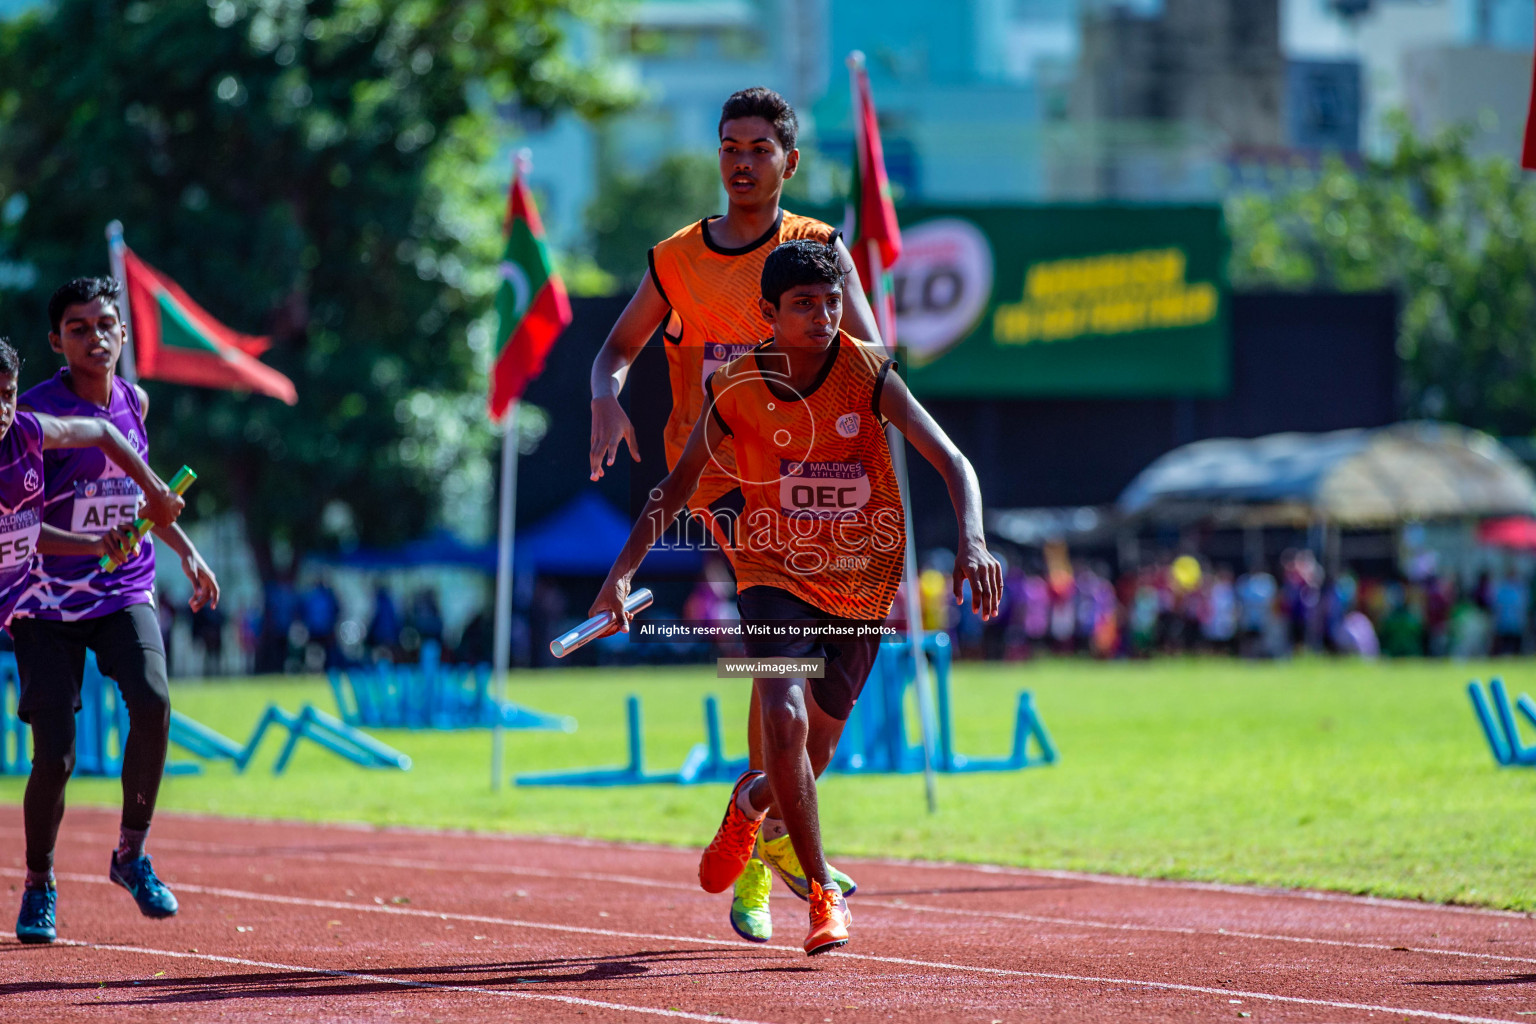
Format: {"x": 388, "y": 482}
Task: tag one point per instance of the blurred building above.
{"x": 1440, "y": 61}
{"x": 1162, "y": 95}
{"x": 684, "y": 57}
{"x": 964, "y": 98}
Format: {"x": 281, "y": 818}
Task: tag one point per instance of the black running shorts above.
{"x": 50, "y": 658}
{"x": 848, "y": 660}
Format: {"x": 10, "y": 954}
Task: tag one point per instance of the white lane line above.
{"x": 1174, "y": 930}
{"x": 302, "y": 901}
{"x": 951, "y": 867}
{"x": 415, "y": 865}
{"x": 197, "y": 846}
{"x": 405, "y": 982}
{"x": 865, "y": 901}
{"x": 1175, "y": 987}
{"x": 1228, "y": 888}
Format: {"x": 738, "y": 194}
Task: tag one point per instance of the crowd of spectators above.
{"x": 304, "y": 629}
{"x": 1175, "y": 605}
{"x": 1184, "y": 604}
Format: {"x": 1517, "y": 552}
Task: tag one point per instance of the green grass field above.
{"x": 1322, "y": 774}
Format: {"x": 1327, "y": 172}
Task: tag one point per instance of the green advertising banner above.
{"x": 1080, "y": 301}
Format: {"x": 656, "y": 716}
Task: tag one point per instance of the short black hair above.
{"x": 10, "y": 361}
{"x": 78, "y": 292}
{"x": 798, "y": 262}
{"x": 766, "y": 104}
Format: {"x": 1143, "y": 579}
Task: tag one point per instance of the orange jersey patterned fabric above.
{"x": 823, "y": 516}
{"x": 713, "y": 292}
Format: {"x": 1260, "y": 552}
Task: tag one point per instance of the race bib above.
{"x": 718, "y": 353}
{"x": 18, "y": 538}
{"x": 822, "y": 490}
{"x": 102, "y": 504}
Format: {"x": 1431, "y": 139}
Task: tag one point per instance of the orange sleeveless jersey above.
{"x": 823, "y": 516}
{"x": 713, "y": 292}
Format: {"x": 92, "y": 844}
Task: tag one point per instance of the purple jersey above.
{"x": 21, "y": 508}
{"x": 86, "y": 492}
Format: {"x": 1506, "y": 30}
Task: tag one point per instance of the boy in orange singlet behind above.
{"x": 703, "y": 282}
{"x": 819, "y": 546}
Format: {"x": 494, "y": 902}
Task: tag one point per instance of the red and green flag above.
{"x": 1528, "y": 150}
{"x": 531, "y": 303}
{"x": 872, "y": 229}
{"x": 176, "y": 340}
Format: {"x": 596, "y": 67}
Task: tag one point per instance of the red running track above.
{"x": 333, "y": 923}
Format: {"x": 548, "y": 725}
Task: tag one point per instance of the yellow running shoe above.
{"x": 749, "y": 910}
{"x": 779, "y": 854}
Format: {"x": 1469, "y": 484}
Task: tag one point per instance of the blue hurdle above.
{"x": 1498, "y": 722}
{"x": 101, "y": 727}
{"x": 632, "y": 773}
{"x": 874, "y": 739}
{"x": 431, "y": 695}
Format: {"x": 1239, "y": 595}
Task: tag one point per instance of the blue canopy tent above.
{"x": 582, "y": 539}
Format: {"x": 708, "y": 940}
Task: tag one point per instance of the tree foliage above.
{"x": 634, "y": 211}
{"x": 1453, "y": 234}
{"x": 319, "y": 171}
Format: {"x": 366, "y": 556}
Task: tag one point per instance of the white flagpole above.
{"x": 115, "y": 247}
{"x": 506, "y": 526}
{"x": 898, "y": 446}
{"x": 506, "y": 523}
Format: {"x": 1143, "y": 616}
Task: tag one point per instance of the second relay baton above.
{"x": 141, "y": 526}
{"x": 590, "y": 630}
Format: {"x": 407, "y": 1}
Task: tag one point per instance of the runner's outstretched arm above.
{"x": 634, "y": 327}
{"x": 205, "y": 585}
{"x": 972, "y": 559}
{"x": 666, "y": 501}
{"x": 162, "y": 505}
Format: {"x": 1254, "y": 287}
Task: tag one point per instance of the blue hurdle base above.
{"x": 631, "y": 774}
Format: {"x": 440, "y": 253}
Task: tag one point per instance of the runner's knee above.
{"x": 149, "y": 709}
{"x": 53, "y": 746}
{"x": 784, "y": 721}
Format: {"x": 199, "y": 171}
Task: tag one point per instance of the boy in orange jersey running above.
{"x": 819, "y": 548}
{"x": 704, "y": 282}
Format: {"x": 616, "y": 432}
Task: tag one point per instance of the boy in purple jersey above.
{"x": 24, "y": 437}
{"x": 72, "y": 606}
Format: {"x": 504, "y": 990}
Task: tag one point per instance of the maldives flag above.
{"x": 871, "y": 213}
{"x": 531, "y": 303}
{"x": 1528, "y": 151}
{"x": 174, "y": 339}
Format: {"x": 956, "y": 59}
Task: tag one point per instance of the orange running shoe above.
{"x": 727, "y": 854}
{"x": 830, "y": 919}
